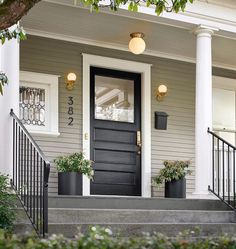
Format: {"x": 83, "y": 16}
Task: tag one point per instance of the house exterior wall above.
{"x": 50, "y": 56}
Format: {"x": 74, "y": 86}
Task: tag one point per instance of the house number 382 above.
{"x": 70, "y": 111}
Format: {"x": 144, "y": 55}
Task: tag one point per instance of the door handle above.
{"x": 139, "y": 143}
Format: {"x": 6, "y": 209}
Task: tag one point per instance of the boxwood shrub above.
{"x": 101, "y": 238}
{"x": 7, "y": 204}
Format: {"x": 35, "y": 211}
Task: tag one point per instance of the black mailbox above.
{"x": 161, "y": 120}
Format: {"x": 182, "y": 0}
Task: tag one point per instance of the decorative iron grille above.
{"x": 32, "y": 106}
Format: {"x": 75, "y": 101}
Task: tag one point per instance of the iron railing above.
{"x": 30, "y": 176}
{"x": 223, "y": 170}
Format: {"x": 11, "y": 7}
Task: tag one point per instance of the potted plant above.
{"x": 173, "y": 175}
{"x": 70, "y": 170}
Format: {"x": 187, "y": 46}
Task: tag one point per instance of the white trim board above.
{"x": 123, "y": 65}
{"x": 50, "y": 83}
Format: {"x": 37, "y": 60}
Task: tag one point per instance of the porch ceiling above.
{"x": 112, "y": 30}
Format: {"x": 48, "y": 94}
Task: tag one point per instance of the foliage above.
{"x": 75, "y": 162}
{"x": 16, "y": 33}
{"x": 173, "y": 170}
{"x": 101, "y": 238}
{"x": 7, "y": 203}
{"x": 3, "y": 81}
{"x": 133, "y": 5}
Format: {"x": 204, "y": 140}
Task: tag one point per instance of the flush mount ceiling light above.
{"x": 137, "y": 44}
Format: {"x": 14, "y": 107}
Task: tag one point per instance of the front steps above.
{"x": 133, "y": 216}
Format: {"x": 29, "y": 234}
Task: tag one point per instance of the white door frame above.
{"x": 130, "y": 66}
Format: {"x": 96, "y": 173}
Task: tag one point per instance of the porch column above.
{"x": 9, "y": 64}
{"x": 203, "y": 110}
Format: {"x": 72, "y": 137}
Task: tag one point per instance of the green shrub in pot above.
{"x": 71, "y": 169}
{"x": 173, "y": 175}
{"x": 173, "y": 170}
{"x": 75, "y": 162}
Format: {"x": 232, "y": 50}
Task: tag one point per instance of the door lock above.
{"x": 139, "y": 144}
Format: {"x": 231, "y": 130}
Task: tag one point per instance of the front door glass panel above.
{"x": 114, "y": 99}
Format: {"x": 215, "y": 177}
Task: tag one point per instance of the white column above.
{"x": 9, "y": 64}
{"x": 203, "y": 111}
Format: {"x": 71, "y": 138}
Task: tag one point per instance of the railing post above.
{"x": 45, "y": 198}
{"x": 213, "y": 163}
{"x": 234, "y": 177}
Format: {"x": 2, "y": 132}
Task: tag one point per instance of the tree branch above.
{"x": 11, "y": 11}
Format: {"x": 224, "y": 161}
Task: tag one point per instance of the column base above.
{"x": 201, "y": 195}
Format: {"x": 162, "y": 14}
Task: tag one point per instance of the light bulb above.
{"x": 71, "y": 77}
{"x": 137, "y": 45}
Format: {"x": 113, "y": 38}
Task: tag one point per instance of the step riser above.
{"x": 139, "y": 216}
{"x": 137, "y": 203}
{"x": 128, "y": 230}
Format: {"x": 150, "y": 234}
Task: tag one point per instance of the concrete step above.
{"x": 123, "y": 216}
{"x": 136, "y": 229}
{"x": 134, "y": 202}
{"x": 133, "y": 216}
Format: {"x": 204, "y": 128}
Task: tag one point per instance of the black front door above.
{"x": 115, "y": 132}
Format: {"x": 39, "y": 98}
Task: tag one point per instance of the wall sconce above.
{"x": 137, "y": 45}
{"x": 71, "y": 78}
{"x": 161, "y": 92}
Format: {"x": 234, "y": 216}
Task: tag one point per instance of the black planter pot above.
{"x": 175, "y": 189}
{"x": 69, "y": 183}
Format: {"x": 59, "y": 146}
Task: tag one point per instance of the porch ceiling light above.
{"x": 137, "y": 44}
{"x": 161, "y": 92}
{"x": 71, "y": 78}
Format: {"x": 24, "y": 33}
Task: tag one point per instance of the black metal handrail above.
{"x": 223, "y": 170}
{"x": 30, "y": 176}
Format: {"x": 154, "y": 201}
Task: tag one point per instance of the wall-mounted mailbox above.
{"x": 161, "y": 120}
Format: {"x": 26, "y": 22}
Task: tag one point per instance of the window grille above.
{"x": 32, "y": 106}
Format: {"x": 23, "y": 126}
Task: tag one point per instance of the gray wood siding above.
{"x": 58, "y": 57}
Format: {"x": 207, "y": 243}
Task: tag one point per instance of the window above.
{"x": 224, "y": 108}
{"x": 38, "y": 107}
{"x": 114, "y": 99}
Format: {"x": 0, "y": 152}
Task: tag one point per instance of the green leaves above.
{"x": 75, "y": 162}
{"x": 173, "y": 170}
{"x": 102, "y": 238}
{"x": 7, "y": 202}
{"x": 133, "y": 5}
{"x": 18, "y": 33}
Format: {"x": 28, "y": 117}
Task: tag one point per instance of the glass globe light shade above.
{"x": 137, "y": 45}
{"x": 162, "y": 89}
{"x": 71, "y": 77}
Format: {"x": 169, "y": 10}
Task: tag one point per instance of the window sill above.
{"x": 45, "y": 133}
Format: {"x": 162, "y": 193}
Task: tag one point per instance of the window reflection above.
{"x": 114, "y": 99}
